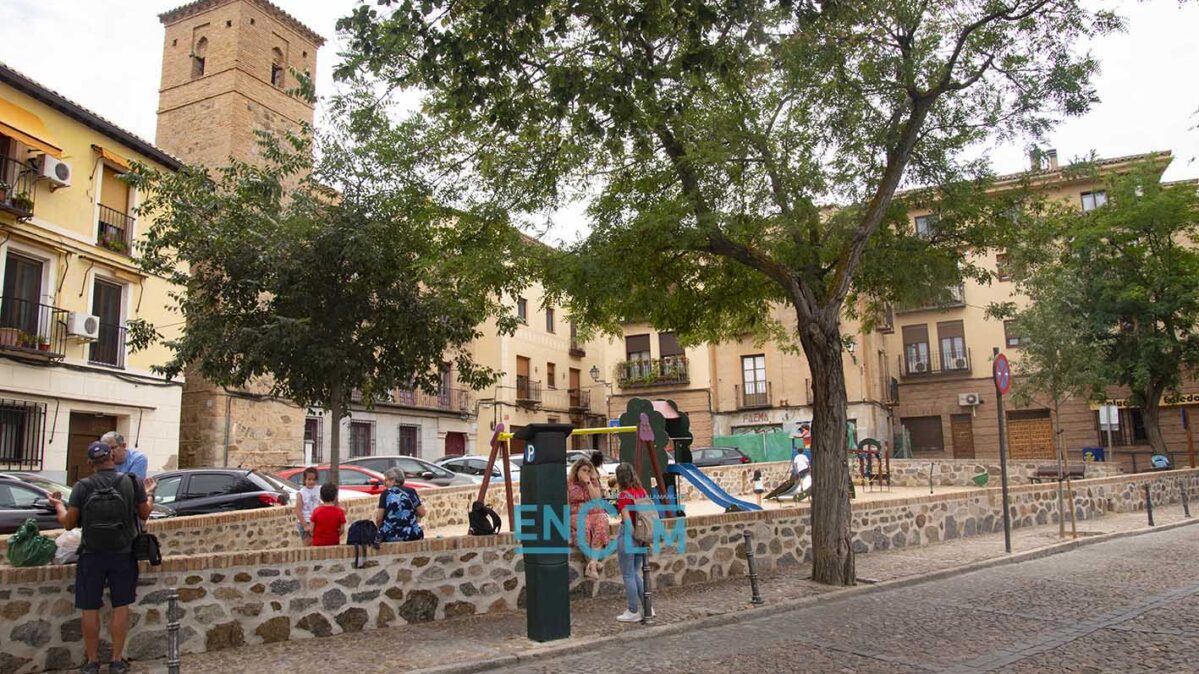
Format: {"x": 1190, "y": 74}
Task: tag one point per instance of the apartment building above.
{"x": 941, "y": 356}
{"x": 71, "y": 287}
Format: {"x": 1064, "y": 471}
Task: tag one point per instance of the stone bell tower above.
{"x": 226, "y": 69}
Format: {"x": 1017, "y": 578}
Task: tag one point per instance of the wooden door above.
{"x": 1030, "y": 435}
{"x": 926, "y": 434}
{"x": 455, "y": 444}
{"x": 85, "y": 429}
{"x": 523, "y": 389}
{"x": 961, "y": 428}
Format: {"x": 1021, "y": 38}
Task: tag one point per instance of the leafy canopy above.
{"x": 321, "y": 277}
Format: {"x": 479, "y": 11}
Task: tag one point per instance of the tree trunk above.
{"x": 1151, "y": 414}
{"x": 336, "y": 411}
{"x": 832, "y": 552}
{"x": 1061, "y": 466}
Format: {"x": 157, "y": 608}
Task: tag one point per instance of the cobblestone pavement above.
{"x": 827, "y": 637}
{"x": 1128, "y": 605}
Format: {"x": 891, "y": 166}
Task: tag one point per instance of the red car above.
{"x": 354, "y": 478}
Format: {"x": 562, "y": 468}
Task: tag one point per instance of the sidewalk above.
{"x": 477, "y": 638}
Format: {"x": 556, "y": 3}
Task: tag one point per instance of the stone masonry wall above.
{"x": 231, "y": 599}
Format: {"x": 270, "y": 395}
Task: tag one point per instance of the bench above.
{"x": 1074, "y": 471}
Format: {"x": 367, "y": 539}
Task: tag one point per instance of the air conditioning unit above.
{"x": 58, "y": 172}
{"x": 959, "y": 363}
{"x": 920, "y": 367}
{"x": 968, "y": 399}
{"x": 83, "y": 326}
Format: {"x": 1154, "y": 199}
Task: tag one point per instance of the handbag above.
{"x": 146, "y": 548}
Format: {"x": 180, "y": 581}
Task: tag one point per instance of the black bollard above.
{"x": 173, "y": 633}
{"x": 930, "y": 478}
{"x": 1186, "y": 498}
{"x": 1149, "y": 505}
{"x": 647, "y": 605}
{"x": 756, "y": 598}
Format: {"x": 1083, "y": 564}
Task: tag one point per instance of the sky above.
{"x": 107, "y": 56}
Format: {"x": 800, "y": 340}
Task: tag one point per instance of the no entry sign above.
{"x": 1002, "y": 372}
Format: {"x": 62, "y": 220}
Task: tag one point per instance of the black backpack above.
{"x": 483, "y": 520}
{"x": 362, "y": 534}
{"x": 108, "y": 516}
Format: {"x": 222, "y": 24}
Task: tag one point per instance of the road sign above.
{"x": 1002, "y": 372}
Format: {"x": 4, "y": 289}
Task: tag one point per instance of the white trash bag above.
{"x": 68, "y": 547}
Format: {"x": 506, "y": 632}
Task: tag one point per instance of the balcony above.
{"x": 753, "y": 397}
{"x": 935, "y": 365}
{"x": 459, "y": 401}
{"x": 115, "y": 231}
{"x": 527, "y": 391}
{"x": 35, "y": 330}
{"x": 109, "y": 348}
{"x": 17, "y": 183}
{"x": 576, "y": 348}
{"x": 949, "y": 298}
{"x": 652, "y": 372}
{"x": 580, "y": 400}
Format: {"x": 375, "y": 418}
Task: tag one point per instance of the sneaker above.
{"x": 629, "y": 617}
{"x": 118, "y": 666}
{"x": 90, "y": 668}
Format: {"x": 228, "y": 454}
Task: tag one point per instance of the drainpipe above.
{"x": 228, "y": 416}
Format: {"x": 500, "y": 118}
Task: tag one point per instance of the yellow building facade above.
{"x": 71, "y": 286}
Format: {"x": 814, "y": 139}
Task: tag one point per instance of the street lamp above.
{"x": 595, "y": 376}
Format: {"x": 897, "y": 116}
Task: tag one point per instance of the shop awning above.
{"x": 112, "y": 158}
{"x": 26, "y": 127}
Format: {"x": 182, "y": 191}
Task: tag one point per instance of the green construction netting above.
{"x": 773, "y": 446}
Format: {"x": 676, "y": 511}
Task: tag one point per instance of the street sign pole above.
{"x": 1002, "y": 375}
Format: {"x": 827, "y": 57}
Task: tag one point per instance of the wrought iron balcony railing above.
{"x": 935, "y": 364}
{"x": 527, "y": 390}
{"x": 753, "y": 396}
{"x": 17, "y": 187}
{"x": 652, "y": 372}
{"x": 32, "y": 328}
{"x": 115, "y": 231}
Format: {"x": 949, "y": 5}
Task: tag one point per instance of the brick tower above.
{"x": 226, "y": 69}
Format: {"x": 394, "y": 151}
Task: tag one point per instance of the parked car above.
{"x": 475, "y": 466}
{"x": 414, "y": 469}
{"x": 199, "y": 491}
{"x": 291, "y": 488}
{"x": 703, "y": 457}
{"x": 25, "y": 495}
{"x": 353, "y": 478}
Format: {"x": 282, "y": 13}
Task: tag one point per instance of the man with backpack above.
{"x": 106, "y": 505}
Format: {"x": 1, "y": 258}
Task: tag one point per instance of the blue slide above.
{"x": 708, "y": 487}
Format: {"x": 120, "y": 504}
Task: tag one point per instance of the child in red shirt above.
{"x": 328, "y": 520}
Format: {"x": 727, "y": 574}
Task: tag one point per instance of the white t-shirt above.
{"x": 799, "y": 464}
{"x": 311, "y": 498}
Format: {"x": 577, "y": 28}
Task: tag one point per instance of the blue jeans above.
{"x": 630, "y": 570}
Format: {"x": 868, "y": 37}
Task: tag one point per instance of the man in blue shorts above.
{"x": 106, "y": 505}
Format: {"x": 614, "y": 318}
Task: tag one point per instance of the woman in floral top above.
{"x": 584, "y": 486}
{"x": 399, "y": 509}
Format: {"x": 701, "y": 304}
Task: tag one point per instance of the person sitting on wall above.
{"x": 582, "y": 486}
{"x": 399, "y": 510}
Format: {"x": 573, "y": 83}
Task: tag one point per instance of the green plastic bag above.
{"x": 29, "y": 548}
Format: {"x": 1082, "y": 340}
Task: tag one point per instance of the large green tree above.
{"x": 717, "y": 132}
{"x": 1131, "y": 272}
{"x": 319, "y": 279}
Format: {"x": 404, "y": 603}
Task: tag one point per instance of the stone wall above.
{"x": 231, "y": 599}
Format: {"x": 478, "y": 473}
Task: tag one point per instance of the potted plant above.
{"x": 26, "y": 340}
{"x": 113, "y": 243}
{"x": 43, "y": 343}
{"x": 23, "y": 202}
{"x": 3, "y": 190}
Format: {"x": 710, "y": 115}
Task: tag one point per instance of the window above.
{"x": 22, "y": 434}
{"x": 953, "y": 346}
{"x": 1093, "y": 200}
{"x": 668, "y": 345}
{"x": 1001, "y": 267}
{"x": 167, "y": 489}
{"x": 522, "y": 310}
{"x": 22, "y": 296}
{"x": 352, "y": 478}
{"x": 199, "y": 53}
{"x": 16, "y": 496}
{"x": 1127, "y": 428}
{"x": 277, "y": 67}
{"x": 636, "y": 347}
{"x": 925, "y": 224}
{"x": 1011, "y": 336}
{"x": 549, "y": 319}
{"x": 915, "y": 349}
{"x": 109, "y": 347}
{"x": 753, "y": 374}
{"x": 313, "y": 445}
{"x": 551, "y": 379}
{"x": 114, "y": 225}
{"x": 362, "y": 438}
{"x": 409, "y": 440}
{"x": 202, "y": 485}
